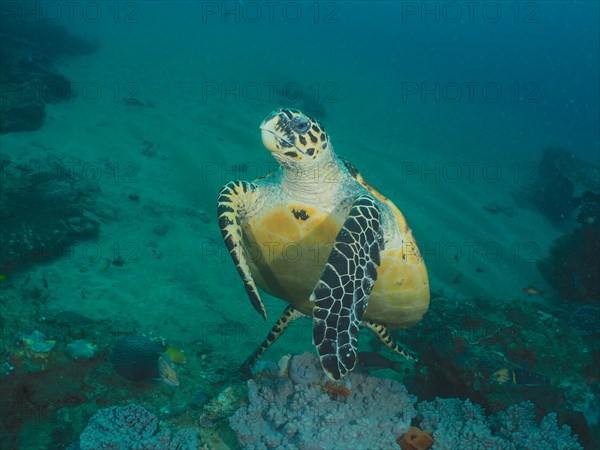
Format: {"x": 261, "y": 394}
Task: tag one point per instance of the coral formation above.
{"x": 301, "y": 416}
{"x": 463, "y": 343}
{"x": 81, "y": 349}
{"x": 585, "y": 320}
{"x": 573, "y": 266}
{"x": 517, "y": 424}
{"x": 35, "y": 343}
{"x": 459, "y": 424}
{"x": 302, "y": 369}
{"x": 377, "y": 414}
{"x": 552, "y": 191}
{"x": 129, "y": 427}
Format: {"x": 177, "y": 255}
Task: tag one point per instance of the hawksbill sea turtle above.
{"x": 315, "y": 234}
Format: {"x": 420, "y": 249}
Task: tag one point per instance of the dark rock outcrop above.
{"x": 44, "y": 209}
{"x": 28, "y": 78}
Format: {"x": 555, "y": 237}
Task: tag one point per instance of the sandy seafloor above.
{"x": 183, "y": 285}
{"x": 200, "y": 147}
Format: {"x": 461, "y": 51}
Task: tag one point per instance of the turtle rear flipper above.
{"x": 386, "y": 339}
{"x": 342, "y": 292}
{"x": 234, "y": 198}
{"x": 289, "y": 315}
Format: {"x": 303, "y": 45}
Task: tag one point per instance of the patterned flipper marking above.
{"x": 234, "y": 198}
{"x": 289, "y": 315}
{"x": 386, "y": 339}
{"x": 342, "y": 293}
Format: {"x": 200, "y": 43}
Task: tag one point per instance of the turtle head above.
{"x": 292, "y": 136}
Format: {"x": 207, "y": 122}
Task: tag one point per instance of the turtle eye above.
{"x": 300, "y": 124}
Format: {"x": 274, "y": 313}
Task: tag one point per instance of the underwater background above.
{"x": 120, "y": 122}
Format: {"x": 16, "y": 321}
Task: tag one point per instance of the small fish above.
{"x": 375, "y": 361}
{"x": 3, "y": 277}
{"x": 166, "y": 373}
{"x": 533, "y": 291}
{"x": 176, "y": 356}
{"x": 518, "y": 376}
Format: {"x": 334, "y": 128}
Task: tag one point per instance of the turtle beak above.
{"x": 273, "y": 133}
{"x": 269, "y": 140}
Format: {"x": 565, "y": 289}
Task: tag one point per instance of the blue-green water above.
{"x": 121, "y": 121}
{"x": 525, "y": 72}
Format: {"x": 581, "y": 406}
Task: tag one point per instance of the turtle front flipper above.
{"x": 234, "y": 199}
{"x": 342, "y": 292}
